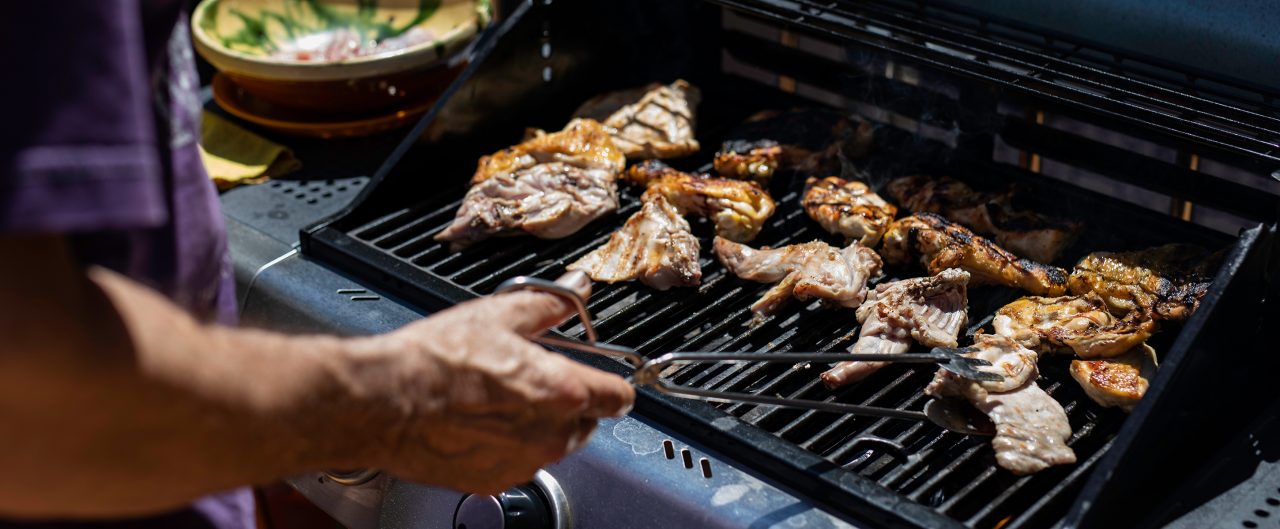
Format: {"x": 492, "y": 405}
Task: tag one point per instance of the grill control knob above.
{"x": 538, "y": 505}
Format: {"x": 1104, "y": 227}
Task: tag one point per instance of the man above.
{"x": 125, "y": 397}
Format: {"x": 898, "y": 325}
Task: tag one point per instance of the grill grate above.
{"x": 951, "y": 473}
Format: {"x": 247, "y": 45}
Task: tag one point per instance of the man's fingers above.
{"x": 608, "y": 395}
{"x": 530, "y": 313}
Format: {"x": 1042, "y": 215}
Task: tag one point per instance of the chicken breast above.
{"x": 1026, "y": 234}
{"x": 803, "y": 271}
{"x": 810, "y": 141}
{"x": 1079, "y": 324}
{"x": 654, "y": 246}
{"x": 1164, "y": 282}
{"x": 1032, "y": 428}
{"x": 1118, "y": 382}
{"x": 939, "y": 244}
{"x": 930, "y": 310}
{"x": 548, "y": 201}
{"x": 583, "y": 143}
{"x": 848, "y": 208}
{"x": 549, "y": 186}
{"x": 738, "y": 209}
{"x": 655, "y": 121}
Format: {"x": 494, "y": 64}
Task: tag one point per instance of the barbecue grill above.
{"x": 1144, "y": 151}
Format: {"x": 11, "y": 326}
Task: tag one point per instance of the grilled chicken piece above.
{"x": 1031, "y": 428}
{"x": 810, "y": 270}
{"x": 549, "y": 186}
{"x": 1164, "y": 282}
{"x": 654, "y": 246}
{"x": 1024, "y": 233}
{"x": 749, "y": 160}
{"x": 939, "y": 244}
{"x": 811, "y": 141}
{"x": 849, "y": 208}
{"x": 655, "y": 121}
{"x": 583, "y": 143}
{"x": 738, "y": 209}
{"x": 548, "y": 201}
{"x": 1117, "y": 382}
{"x": 1079, "y": 324}
{"x": 930, "y": 310}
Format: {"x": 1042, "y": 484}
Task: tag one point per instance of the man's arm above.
{"x": 118, "y": 403}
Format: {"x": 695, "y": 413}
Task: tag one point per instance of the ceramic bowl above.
{"x": 338, "y": 56}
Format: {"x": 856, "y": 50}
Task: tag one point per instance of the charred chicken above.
{"x": 737, "y": 208}
{"x": 848, "y": 208}
{"x": 803, "y": 271}
{"x": 1031, "y": 427}
{"x": 1163, "y": 283}
{"x": 549, "y": 186}
{"x": 1024, "y": 233}
{"x": 1079, "y": 324}
{"x": 654, "y": 246}
{"x": 939, "y": 244}
{"x": 930, "y": 310}
{"x": 655, "y": 121}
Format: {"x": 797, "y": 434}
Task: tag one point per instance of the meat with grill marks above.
{"x": 1118, "y": 382}
{"x": 654, "y": 246}
{"x": 1032, "y": 429}
{"x": 654, "y": 121}
{"x": 1027, "y": 234}
{"x": 939, "y": 244}
{"x": 848, "y": 208}
{"x": 1163, "y": 283}
{"x": 549, "y": 186}
{"x": 811, "y": 141}
{"x": 930, "y": 310}
{"x": 1079, "y": 324}
{"x": 584, "y": 143}
{"x": 738, "y": 209}
{"x": 803, "y": 271}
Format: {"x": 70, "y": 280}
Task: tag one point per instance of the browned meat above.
{"x": 654, "y": 246}
{"x": 1024, "y": 233}
{"x": 810, "y": 270}
{"x": 549, "y": 186}
{"x": 548, "y": 201}
{"x": 1031, "y": 428}
{"x": 849, "y": 208}
{"x": 654, "y": 121}
{"x": 1164, "y": 283}
{"x": 939, "y": 244}
{"x": 738, "y": 209}
{"x": 583, "y": 143}
{"x": 1117, "y": 382}
{"x": 810, "y": 141}
{"x": 749, "y": 160}
{"x": 1079, "y": 324}
{"x": 930, "y": 310}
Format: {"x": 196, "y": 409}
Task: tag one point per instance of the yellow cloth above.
{"x": 234, "y": 156}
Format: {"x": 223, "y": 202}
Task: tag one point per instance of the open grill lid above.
{"x": 962, "y": 103}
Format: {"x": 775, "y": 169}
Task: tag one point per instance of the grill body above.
{"x": 1030, "y": 115}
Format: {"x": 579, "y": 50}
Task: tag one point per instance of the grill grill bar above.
{"x": 1243, "y": 132}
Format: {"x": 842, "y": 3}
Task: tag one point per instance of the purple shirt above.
{"x": 98, "y": 143}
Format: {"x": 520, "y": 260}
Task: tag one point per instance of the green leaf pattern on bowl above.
{"x": 264, "y": 31}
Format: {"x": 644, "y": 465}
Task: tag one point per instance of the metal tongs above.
{"x": 951, "y": 414}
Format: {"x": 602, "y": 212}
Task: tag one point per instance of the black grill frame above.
{"x": 338, "y": 241}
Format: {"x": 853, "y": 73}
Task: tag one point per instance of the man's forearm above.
{"x": 144, "y": 408}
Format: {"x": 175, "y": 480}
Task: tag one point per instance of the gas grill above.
{"x": 1143, "y": 151}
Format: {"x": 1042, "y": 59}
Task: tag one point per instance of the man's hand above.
{"x": 481, "y": 408}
